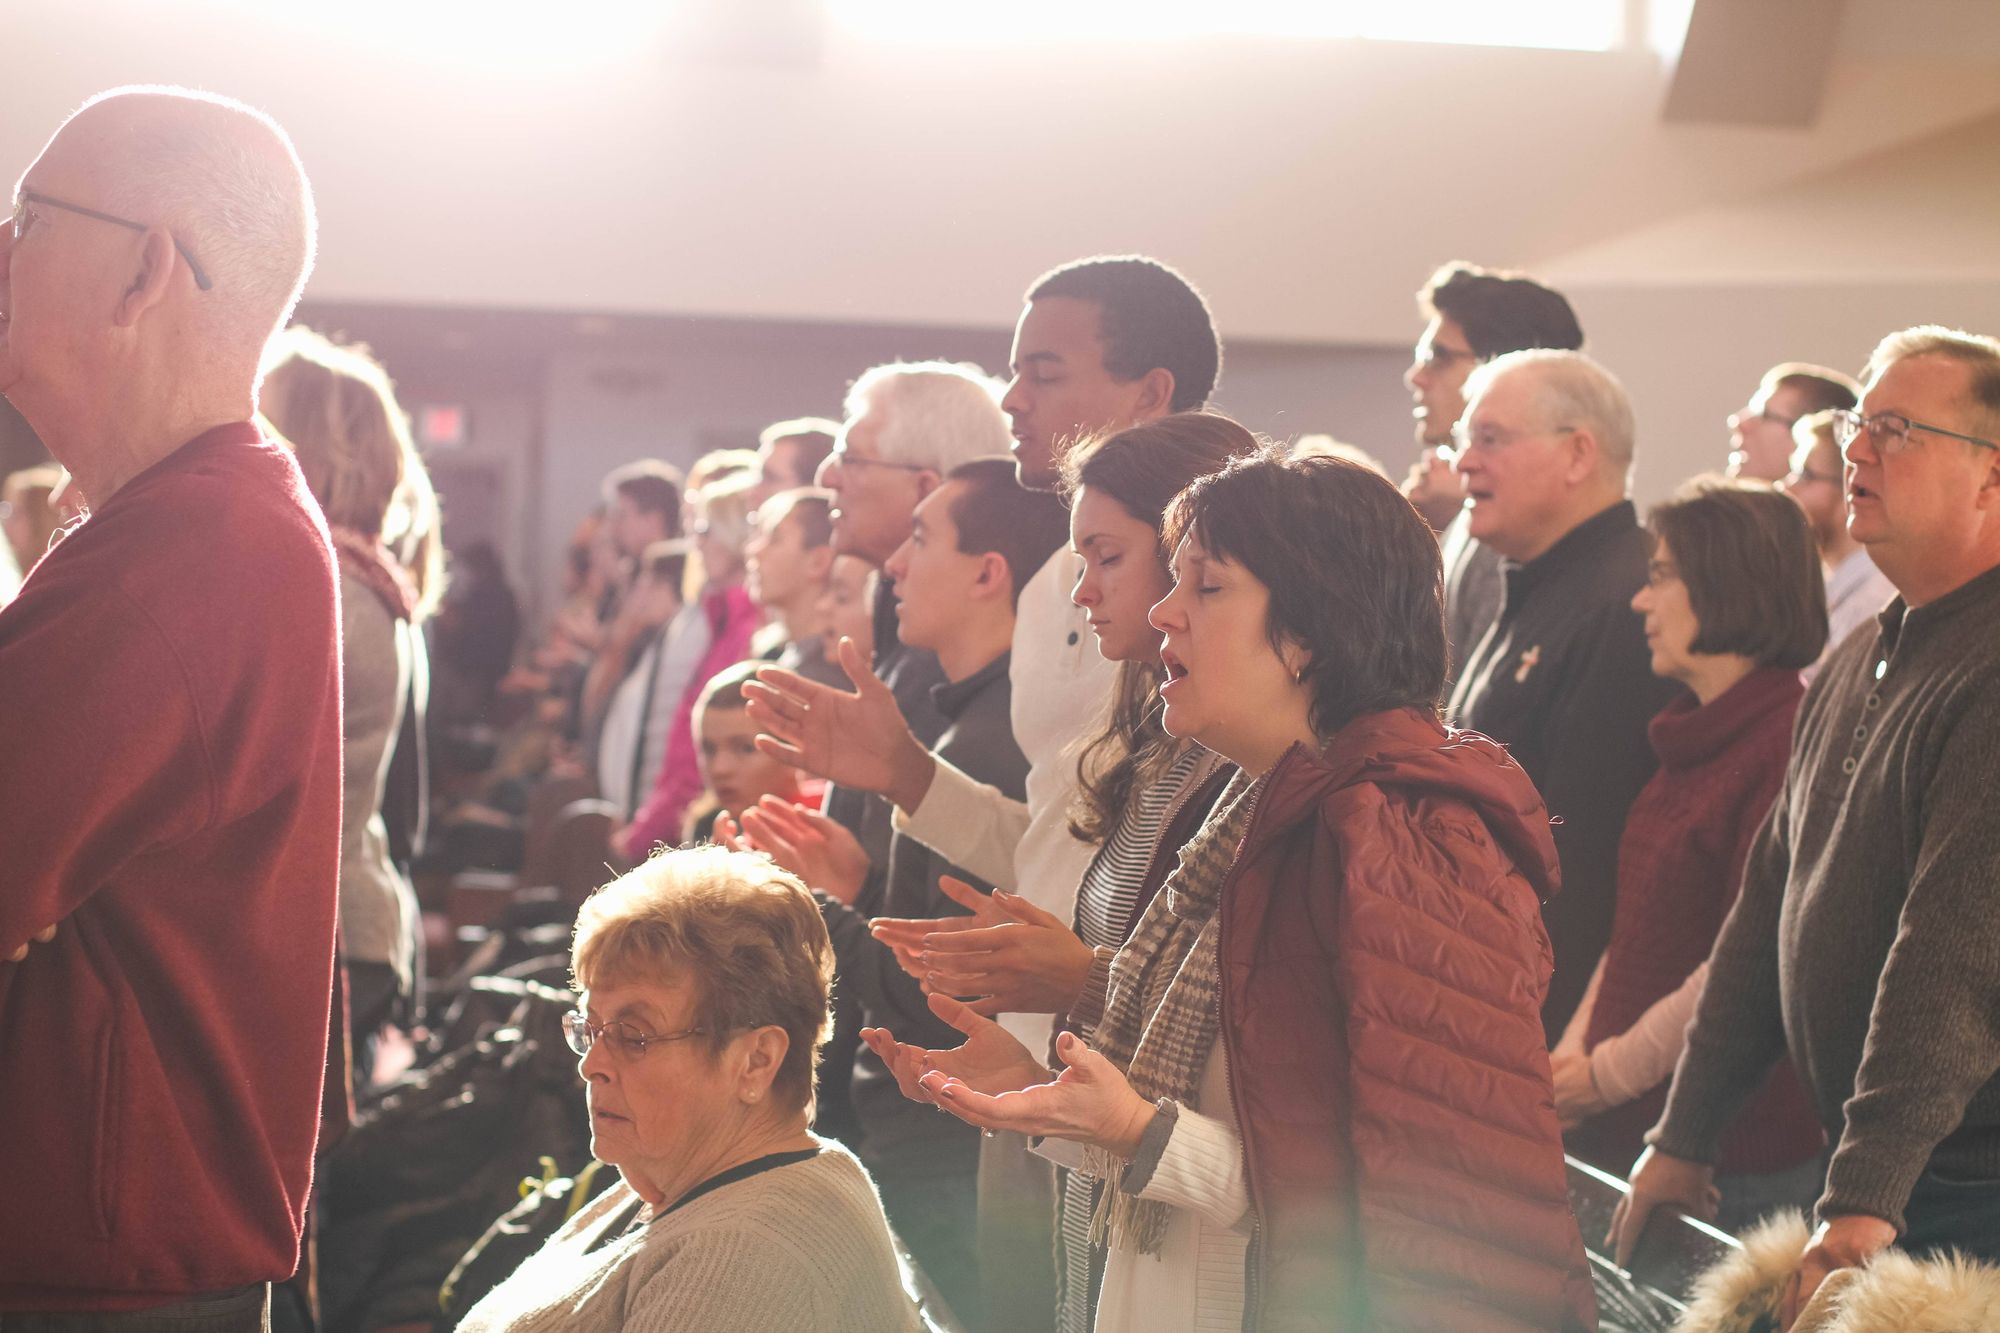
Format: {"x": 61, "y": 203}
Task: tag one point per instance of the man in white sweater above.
{"x": 1101, "y": 344}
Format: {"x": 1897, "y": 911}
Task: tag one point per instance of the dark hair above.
{"x": 812, "y": 437}
{"x": 1353, "y": 571}
{"x": 1143, "y": 468}
{"x": 1153, "y": 319}
{"x": 809, "y": 507}
{"x": 1747, "y": 556}
{"x": 996, "y": 513}
{"x": 651, "y": 486}
{"x": 1500, "y": 312}
{"x": 725, "y": 688}
{"x": 1821, "y": 388}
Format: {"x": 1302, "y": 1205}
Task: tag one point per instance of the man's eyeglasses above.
{"x": 842, "y": 458}
{"x": 1889, "y": 432}
{"x": 23, "y": 215}
{"x": 1775, "y": 418}
{"x": 625, "y": 1041}
{"x": 1486, "y": 439}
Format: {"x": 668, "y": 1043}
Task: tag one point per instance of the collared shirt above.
{"x": 1865, "y": 940}
{"x": 1563, "y": 679}
{"x": 1856, "y": 591}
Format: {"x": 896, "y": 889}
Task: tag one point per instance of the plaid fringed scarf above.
{"x": 1162, "y": 1002}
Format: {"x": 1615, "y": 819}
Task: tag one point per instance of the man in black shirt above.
{"x": 1563, "y": 676}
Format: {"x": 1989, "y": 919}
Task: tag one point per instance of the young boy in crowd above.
{"x": 786, "y": 562}
{"x": 975, "y": 541}
{"x": 735, "y": 774}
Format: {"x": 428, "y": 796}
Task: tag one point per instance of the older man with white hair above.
{"x": 1563, "y": 677}
{"x": 170, "y": 793}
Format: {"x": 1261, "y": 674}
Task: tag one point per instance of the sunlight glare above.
{"x": 1577, "y": 25}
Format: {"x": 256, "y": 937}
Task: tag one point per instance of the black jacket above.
{"x": 1563, "y": 679}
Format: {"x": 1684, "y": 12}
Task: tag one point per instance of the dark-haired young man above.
{"x": 973, "y": 543}
{"x": 1101, "y": 344}
{"x": 1473, "y": 314}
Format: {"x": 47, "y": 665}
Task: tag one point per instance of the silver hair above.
{"x": 224, "y": 178}
{"x": 1978, "y": 353}
{"x": 1572, "y": 390}
{"x": 937, "y": 414}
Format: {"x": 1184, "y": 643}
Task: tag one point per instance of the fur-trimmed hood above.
{"x": 1892, "y": 1293}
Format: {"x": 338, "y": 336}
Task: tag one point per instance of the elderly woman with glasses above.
{"x": 704, "y": 978}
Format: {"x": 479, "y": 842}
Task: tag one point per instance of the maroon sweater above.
{"x": 1679, "y": 867}
{"x": 170, "y": 795}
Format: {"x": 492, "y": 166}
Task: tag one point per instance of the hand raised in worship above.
{"x": 857, "y": 739}
{"x": 906, "y": 934}
{"x": 42, "y": 936}
{"x": 1847, "y": 1241}
{"x": 991, "y": 1059}
{"x": 816, "y": 849}
{"x": 1090, "y": 1102}
{"x": 1017, "y": 958}
{"x": 1577, "y": 1098}
{"x": 1434, "y": 488}
{"x": 1660, "y": 1179}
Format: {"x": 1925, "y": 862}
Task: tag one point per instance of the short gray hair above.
{"x": 939, "y": 413}
{"x": 1976, "y": 352}
{"x": 224, "y": 178}
{"x": 1572, "y": 390}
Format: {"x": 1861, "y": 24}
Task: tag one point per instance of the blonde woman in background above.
{"x": 336, "y": 408}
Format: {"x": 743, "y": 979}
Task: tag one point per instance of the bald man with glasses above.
{"x": 170, "y": 787}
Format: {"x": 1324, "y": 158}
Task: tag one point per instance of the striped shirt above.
{"x": 1104, "y": 912}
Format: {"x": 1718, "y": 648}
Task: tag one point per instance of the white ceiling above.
{"x": 1309, "y": 185}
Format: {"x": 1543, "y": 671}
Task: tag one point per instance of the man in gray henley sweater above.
{"x": 1865, "y": 942}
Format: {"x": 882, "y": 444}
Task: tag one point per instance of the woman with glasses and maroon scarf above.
{"x": 703, "y": 977}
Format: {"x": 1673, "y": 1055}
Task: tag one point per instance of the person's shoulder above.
{"x": 230, "y": 502}
{"x": 785, "y": 1214}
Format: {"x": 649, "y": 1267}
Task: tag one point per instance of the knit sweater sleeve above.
{"x": 969, "y": 822}
{"x": 1738, "y": 1031}
{"x": 1201, "y": 1170}
{"x": 1934, "y": 1033}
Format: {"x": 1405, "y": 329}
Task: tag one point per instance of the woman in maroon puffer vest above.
{"x": 1735, "y": 605}
{"x": 1319, "y": 1089}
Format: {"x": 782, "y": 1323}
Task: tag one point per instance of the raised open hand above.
{"x": 991, "y": 1059}
{"x": 857, "y": 738}
{"x": 1090, "y": 1102}
{"x": 906, "y": 935}
{"x": 1016, "y": 957}
{"x": 818, "y": 850}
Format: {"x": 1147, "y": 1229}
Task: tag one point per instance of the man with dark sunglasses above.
{"x": 170, "y": 791}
